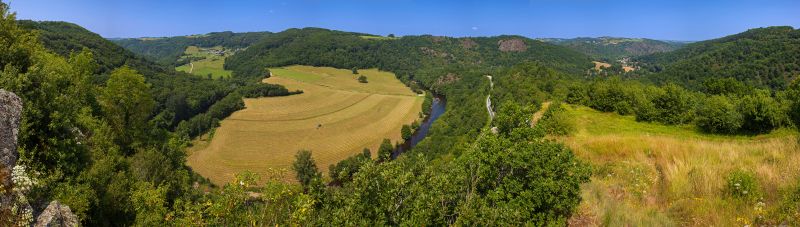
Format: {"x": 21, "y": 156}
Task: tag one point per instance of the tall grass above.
{"x": 656, "y": 175}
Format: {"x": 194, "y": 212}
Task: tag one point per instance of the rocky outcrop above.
{"x": 14, "y": 208}
{"x": 10, "y": 111}
{"x": 446, "y": 79}
{"x": 434, "y": 53}
{"x": 56, "y": 215}
{"x": 512, "y": 45}
{"x": 468, "y": 43}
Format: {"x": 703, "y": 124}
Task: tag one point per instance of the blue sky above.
{"x": 670, "y": 20}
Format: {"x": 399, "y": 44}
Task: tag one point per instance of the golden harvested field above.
{"x": 269, "y": 131}
{"x": 648, "y": 174}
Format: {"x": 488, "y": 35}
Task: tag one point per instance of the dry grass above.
{"x": 269, "y": 132}
{"x": 655, "y": 175}
{"x": 600, "y": 65}
{"x": 627, "y": 68}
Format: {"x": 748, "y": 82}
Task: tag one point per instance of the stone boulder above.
{"x": 56, "y": 214}
{"x": 10, "y": 112}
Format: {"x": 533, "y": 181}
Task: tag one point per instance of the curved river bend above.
{"x": 437, "y": 109}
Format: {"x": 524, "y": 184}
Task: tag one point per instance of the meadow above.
{"x": 648, "y": 174}
{"x": 335, "y": 117}
{"x": 209, "y": 64}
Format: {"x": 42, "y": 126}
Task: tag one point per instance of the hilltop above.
{"x": 762, "y": 57}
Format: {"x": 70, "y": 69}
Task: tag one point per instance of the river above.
{"x": 437, "y": 109}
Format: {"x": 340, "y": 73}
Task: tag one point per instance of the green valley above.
{"x": 141, "y": 114}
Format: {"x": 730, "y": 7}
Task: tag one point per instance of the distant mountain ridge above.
{"x": 167, "y": 50}
{"x": 764, "y": 57}
{"x": 613, "y": 48}
{"x": 316, "y": 46}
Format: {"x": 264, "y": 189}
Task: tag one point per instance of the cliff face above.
{"x": 10, "y": 111}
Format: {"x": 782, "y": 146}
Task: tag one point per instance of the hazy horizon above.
{"x": 662, "y": 20}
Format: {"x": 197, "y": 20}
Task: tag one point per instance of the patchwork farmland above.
{"x": 205, "y": 61}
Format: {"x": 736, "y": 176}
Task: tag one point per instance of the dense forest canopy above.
{"x": 763, "y": 57}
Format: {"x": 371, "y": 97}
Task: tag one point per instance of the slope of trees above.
{"x": 763, "y": 57}
{"x": 178, "y": 96}
{"x": 750, "y": 110}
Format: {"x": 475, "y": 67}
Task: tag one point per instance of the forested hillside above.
{"x": 167, "y": 50}
{"x": 763, "y": 57}
{"x": 612, "y": 48}
{"x": 178, "y": 96}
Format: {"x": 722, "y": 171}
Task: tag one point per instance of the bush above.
{"x": 577, "y": 94}
{"x": 556, "y": 121}
{"x": 510, "y": 115}
{"x": 719, "y": 115}
{"x": 761, "y": 112}
{"x": 675, "y": 105}
{"x": 343, "y": 171}
{"x": 793, "y": 93}
{"x": 742, "y": 185}
{"x": 362, "y": 79}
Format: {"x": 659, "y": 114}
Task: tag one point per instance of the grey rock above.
{"x": 10, "y": 111}
{"x": 56, "y": 214}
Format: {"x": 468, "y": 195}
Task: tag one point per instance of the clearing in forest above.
{"x": 651, "y": 174}
{"x": 335, "y": 117}
{"x": 600, "y": 65}
{"x": 205, "y": 61}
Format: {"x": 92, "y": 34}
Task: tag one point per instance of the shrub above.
{"x": 577, "y": 94}
{"x": 761, "y": 112}
{"x": 556, "y": 121}
{"x": 793, "y": 94}
{"x": 343, "y": 171}
{"x": 742, "y": 185}
{"x": 675, "y": 105}
{"x": 510, "y": 115}
{"x": 719, "y": 115}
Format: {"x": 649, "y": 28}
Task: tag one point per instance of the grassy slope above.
{"x": 655, "y": 175}
{"x": 212, "y": 64}
{"x": 267, "y": 134}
